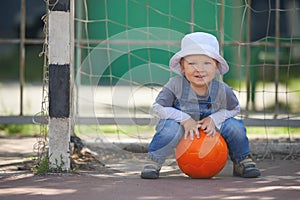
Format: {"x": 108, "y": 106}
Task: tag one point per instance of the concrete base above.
{"x": 59, "y": 142}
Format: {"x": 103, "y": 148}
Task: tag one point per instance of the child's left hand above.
{"x": 208, "y": 126}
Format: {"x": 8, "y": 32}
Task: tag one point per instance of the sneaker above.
{"x": 151, "y": 171}
{"x": 246, "y": 168}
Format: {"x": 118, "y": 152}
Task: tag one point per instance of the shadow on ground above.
{"x": 112, "y": 172}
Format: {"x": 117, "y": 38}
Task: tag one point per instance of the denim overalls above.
{"x": 169, "y": 132}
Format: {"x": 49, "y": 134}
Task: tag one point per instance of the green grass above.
{"x": 282, "y": 131}
{"x": 22, "y": 130}
{"x": 294, "y": 85}
{"x": 112, "y": 129}
{"x": 33, "y": 130}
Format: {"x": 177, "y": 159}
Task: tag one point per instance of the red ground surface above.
{"x": 119, "y": 179}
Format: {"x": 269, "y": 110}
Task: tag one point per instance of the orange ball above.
{"x": 202, "y": 157}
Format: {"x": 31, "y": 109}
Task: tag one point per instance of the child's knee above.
{"x": 167, "y": 131}
{"x": 233, "y": 124}
{"x": 233, "y": 128}
{"x": 168, "y": 134}
{"x": 167, "y": 125}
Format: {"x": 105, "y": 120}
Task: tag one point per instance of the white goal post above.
{"x": 60, "y": 82}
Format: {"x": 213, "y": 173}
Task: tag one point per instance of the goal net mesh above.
{"x": 122, "y": 51}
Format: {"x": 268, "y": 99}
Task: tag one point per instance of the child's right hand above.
{"x": 190, "y": 128}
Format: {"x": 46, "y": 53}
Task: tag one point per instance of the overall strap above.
{"x": 185, "y": 89}
{"x": 213, "y": 90}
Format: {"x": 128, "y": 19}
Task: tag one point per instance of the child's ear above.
{"x": 181, "y": 65}
{"x": 217, "y": 65}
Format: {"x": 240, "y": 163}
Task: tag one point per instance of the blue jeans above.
{"x": 169, "y": 133}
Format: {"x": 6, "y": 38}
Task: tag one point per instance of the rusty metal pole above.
{"x": 248, "y": 58}
{"x": 192, "y": 20}
{"x": 277, "y": 53}
{"x": 221, "y": 31}
{"x": 22, "y": 51}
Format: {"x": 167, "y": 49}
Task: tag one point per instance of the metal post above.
{"x": 77, "y": 60}
{"x": 277, "y": 53}
{"x": 248, "y": 57}
{"x": 72, "y": 67}
{"x": 221, "y": 38}
{"x": 22, "y": 51}
{"x": 192, "y": 16}
{"x": 221, "y": 31}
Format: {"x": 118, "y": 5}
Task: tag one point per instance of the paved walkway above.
{"x": 119, "y": 179}
{"x": 280, "y": 180}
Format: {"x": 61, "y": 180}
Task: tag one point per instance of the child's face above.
{"x": 199, "y": 69}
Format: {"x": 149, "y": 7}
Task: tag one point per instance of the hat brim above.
{"x": 175, "y": 60}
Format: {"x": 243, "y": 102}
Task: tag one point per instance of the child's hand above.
{"x": 190, "y": 128}
{"x": 208, "y": 126}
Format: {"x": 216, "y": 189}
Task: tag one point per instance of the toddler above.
{"x": 196, "y": 99}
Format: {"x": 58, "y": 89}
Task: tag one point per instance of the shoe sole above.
{"x": 149, "y": 175}
{"x": 249, "y": 174}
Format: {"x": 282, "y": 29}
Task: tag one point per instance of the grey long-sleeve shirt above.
{"x": 164, "y": 109}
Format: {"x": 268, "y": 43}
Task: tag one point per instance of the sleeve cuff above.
{"x": 169, "y": 113}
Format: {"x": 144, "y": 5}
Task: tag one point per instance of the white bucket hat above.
{"x": 199, "y": 43}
